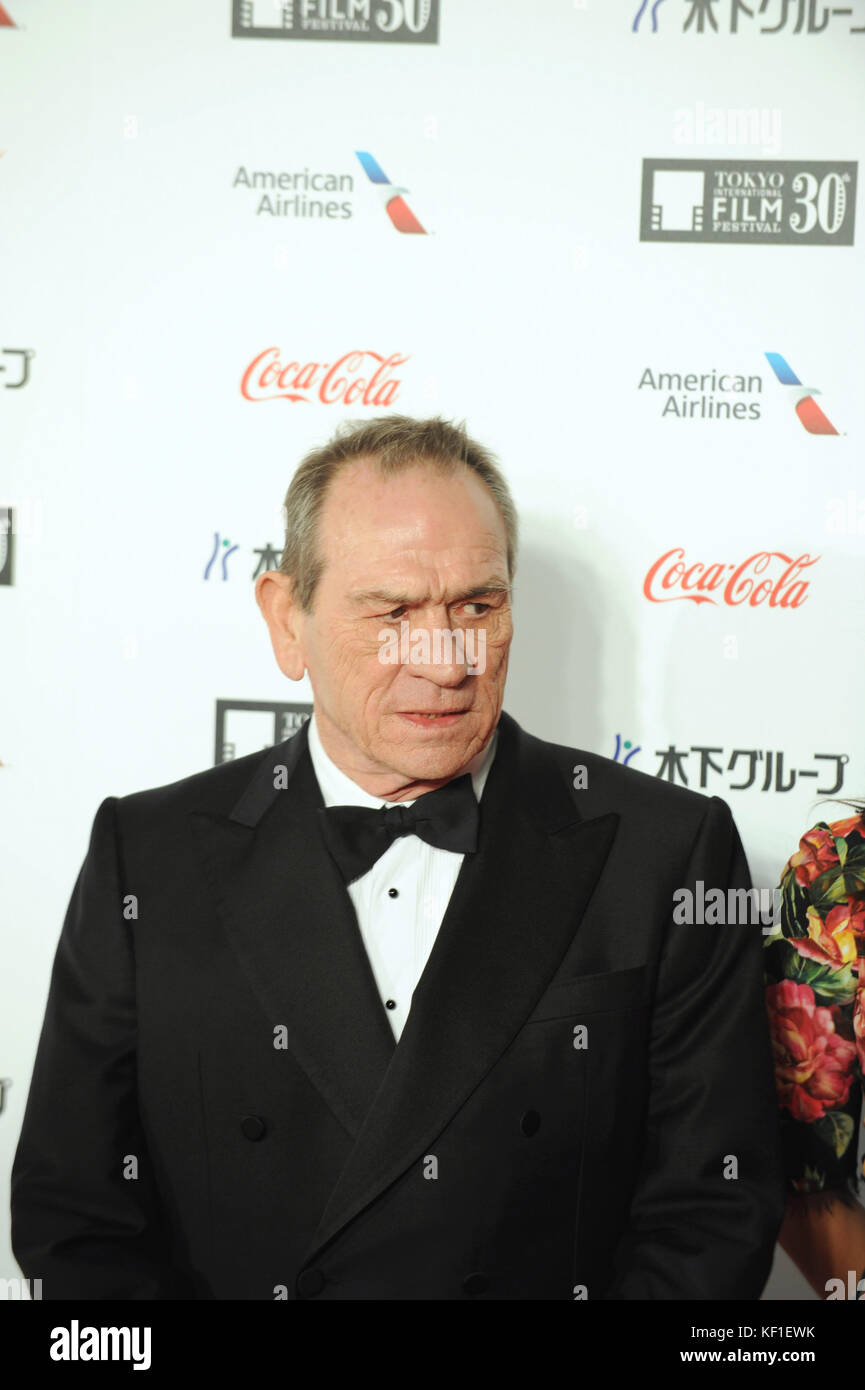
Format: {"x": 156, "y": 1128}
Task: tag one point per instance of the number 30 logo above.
{"x": 414, "y": 14}
{"x": 824, "y": 203}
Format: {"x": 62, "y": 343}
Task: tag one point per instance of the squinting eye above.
{"x": 396, "y": 612}
{"x": 484, "y": 606}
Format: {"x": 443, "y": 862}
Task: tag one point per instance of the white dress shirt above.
{"x": 401, "y": 900}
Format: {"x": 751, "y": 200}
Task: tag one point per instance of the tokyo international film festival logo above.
{"x": 362, "y": 21}
{"x": 783, "y": 202}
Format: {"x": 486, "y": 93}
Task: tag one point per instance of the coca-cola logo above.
{"x": 360, "y": 377}
{"x": 670, "y": 579}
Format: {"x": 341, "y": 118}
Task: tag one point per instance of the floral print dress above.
{"x": 816, "y": 1000}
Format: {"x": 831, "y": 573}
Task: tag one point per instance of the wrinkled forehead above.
{"x": 419, "y": 517}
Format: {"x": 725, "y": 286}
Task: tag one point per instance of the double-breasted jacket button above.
{"x": 475, "y": 1283}
{"x": 530, "y": 1123}
{"x": 310, "y": 1282}
{"x": 253, "y": 1127}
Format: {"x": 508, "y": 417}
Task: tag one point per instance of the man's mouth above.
{"x": 439, "y": 719}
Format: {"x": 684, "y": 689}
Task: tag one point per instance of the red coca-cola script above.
{"x": 670, "y": 580}
{"x": 361, "y": 377}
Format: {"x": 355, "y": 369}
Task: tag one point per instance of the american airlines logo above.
{"x": 390, "y": 194}
{"x": 802, "y": 397}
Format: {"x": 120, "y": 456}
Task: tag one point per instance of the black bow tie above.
{"x": 357, "y": 836}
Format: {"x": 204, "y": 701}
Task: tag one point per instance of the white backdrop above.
{"x": 140, "y": 280}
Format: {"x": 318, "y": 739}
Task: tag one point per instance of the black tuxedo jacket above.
{"x": 581, "y": 1103}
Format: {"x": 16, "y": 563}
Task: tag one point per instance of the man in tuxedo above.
{"x": 401, "y": 1008}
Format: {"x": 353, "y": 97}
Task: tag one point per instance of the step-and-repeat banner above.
{"x": 618, "y": 238}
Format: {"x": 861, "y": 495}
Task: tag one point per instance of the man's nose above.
{"x": 446, "y": 674}
{"x": 448, "y": 662}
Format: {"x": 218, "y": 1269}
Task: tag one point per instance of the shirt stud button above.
{"x": 393, "y": 892}
{"x": 390, "y": 1003}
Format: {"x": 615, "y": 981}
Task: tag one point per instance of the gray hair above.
{"x": 394, "y": 442}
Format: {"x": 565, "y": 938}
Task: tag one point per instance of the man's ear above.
{"x": 284, "y": 618}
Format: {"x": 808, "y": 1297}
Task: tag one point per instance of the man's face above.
{"x": 424, "y": 549}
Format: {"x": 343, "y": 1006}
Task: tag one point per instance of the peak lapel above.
{"x": 511, "y": 918}
{"x": 292, "y": 925}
